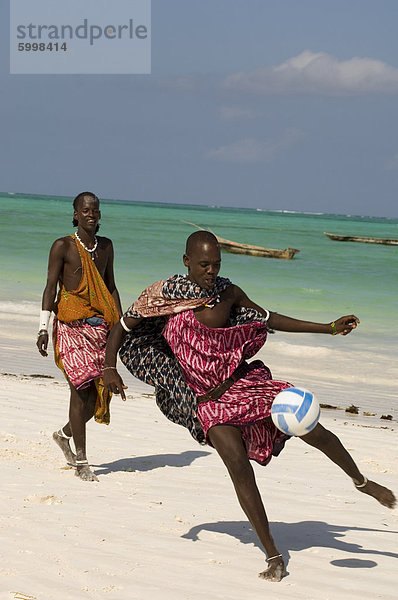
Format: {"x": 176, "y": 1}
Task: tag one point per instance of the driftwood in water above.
{"x": 358, "y": 238}
{"x": 238, "y": 248}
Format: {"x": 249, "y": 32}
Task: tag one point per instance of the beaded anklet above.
{"x": 272, "y": 557}
{"x": 361, "y": 485}
{"x": 62, "y": 434}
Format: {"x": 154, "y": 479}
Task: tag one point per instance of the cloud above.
{"x": 231, "y": 113}
{"x": 250, "y": 150}
{"x": 319, "y": 73}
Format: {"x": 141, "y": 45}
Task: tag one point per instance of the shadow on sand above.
{"x": 300, "y": 536}
{"x": 150, "y": 462}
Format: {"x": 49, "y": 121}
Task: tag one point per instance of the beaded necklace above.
{"x": 90, "y": 250}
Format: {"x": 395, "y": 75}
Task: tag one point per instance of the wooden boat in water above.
{"x": 249, "y": 249}
{"x": 358, "y": 238}
{"x": 238, "y": 248}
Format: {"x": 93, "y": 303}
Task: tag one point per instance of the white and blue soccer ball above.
{"x": 295, "y": 411}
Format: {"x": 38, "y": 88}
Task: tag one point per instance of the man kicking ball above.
{"x": 199, "y": 330}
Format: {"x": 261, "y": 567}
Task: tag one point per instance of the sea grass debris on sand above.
{"x": 352, "y": 409}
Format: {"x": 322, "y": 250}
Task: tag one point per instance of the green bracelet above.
{"x": 334, "y": 328}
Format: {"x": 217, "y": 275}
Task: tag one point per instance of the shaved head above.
{"x": 198, "y": 239}
{"x": 203, "y": 259}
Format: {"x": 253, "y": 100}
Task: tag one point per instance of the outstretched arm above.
{"x": 112, "y": 380}
{"x": 343, "y": 325}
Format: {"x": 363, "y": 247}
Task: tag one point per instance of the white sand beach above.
{"x": 163, "y": 520}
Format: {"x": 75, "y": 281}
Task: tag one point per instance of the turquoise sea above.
{"x": 325, "y": 280}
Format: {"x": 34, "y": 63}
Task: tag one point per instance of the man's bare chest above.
{"x": 218, "y": 316}
{"x": 72, "y": 269}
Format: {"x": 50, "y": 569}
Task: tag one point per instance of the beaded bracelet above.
{"x": 334, "y": 328}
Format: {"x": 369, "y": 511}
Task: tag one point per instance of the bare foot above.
{"x": 63, "y": 443}
{"x": 382, "y": 494}
{"x": 276, "y": 570}
{"x": 85, "y": 473}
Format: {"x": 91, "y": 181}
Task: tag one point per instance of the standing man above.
{"x": 87, "y": 308}
{"x": 211, "y": 327}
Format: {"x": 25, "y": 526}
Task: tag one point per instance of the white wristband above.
{"x": 123, "y": 324}
{"x": 44, "y": 319}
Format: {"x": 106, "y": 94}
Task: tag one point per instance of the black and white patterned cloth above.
{"x": 147, "y": 355}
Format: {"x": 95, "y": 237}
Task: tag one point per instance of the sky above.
{"x": 272, "y": 104}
